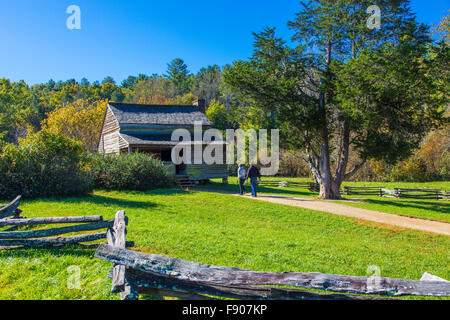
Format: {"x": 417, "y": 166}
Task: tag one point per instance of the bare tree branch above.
{"x": 354, "y": 170}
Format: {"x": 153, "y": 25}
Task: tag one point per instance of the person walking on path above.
{"x": 241, "y": 177}
{"x": 253, "y": 174}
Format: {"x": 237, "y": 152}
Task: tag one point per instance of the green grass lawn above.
{"x": 220, "y": 230}
{"x": 425, "y": 209}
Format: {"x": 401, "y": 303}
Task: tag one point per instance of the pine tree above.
{"x": 345, "y": 86}
{"x": 178, "y": 74}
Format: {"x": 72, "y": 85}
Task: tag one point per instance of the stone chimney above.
{"x": 201, "y": 104}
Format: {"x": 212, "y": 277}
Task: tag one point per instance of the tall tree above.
{"x": 109, "y": 80}
{"x": 346, "y": 85}
{"x": 80, "y": 120}
{"x": 129, "y": 82}
{"x": 442, "y": 30}
{"x": 15, "y": 110}
{"x": 208, "y": 83}
{"x": 179, "y": 75}
{"x": 146, "y": 89}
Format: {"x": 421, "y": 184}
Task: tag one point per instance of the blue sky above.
{"x": 120, "y": 38}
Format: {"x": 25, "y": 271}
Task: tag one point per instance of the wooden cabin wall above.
{"x": 199, "y": 153}
{"x": 205, "y": 172}
{"x": 122, "y": 143}
{"x": 110, "y": 141}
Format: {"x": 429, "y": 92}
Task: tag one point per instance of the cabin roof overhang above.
{"x": 149, "y": 140}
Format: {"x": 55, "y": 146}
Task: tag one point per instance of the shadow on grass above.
{"x": 431, "y": 206}
{"x": 123, "y": 200}
{"x": 110, "y": 202}
{"x": 75, "y": 250}
{"x": 274, "y": 190}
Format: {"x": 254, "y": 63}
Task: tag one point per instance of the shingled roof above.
{"x": 157, "y": 114}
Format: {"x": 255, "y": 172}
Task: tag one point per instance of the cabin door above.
{"x": 180, "y": 169}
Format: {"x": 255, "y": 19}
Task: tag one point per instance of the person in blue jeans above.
{"x": 242, "y": 177}
{"x": 253, "y": 174}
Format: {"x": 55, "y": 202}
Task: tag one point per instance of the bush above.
{"x": 43, "y": 165}
{"x": 293, "y": 165}
{"x": 136, "y": 171}
{"x": 412, "y": 170}
{"x": 372, "y": 170}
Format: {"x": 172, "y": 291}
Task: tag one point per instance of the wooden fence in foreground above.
{"x": 137, "y": 273}
{"x": 10, "y": 238}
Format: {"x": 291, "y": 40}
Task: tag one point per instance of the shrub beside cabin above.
{"x": 148, "y": 129}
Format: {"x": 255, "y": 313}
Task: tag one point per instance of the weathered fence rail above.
{"x": 192, "y": 290}
{"x": 362, "y": 190}
{"x": 58, "y": 220}
{"x": 10, "y": 238}
{"x": 431, "y": 194}
{"x": 279, "y": 184}
{"x": 11, "y": 209}
{"x": 312, "y": 186}
{"x": 135, "y": 272}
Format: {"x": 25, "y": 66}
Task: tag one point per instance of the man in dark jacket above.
{"x": 253, "y": 174}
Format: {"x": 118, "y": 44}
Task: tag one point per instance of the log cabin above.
{"x": 148, "y": 129}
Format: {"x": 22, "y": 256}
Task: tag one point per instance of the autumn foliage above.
{"x": 80, "y": 120}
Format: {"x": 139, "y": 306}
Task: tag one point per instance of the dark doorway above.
{"x": 180, "y": 169}
{"x": 166, "y": 155}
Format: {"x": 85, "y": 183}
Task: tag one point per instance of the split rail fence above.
{"x": 312, "y": 186}
{"x": 134, "y": 273}
{"x": 11, "y": 220}
{"x": 431, "y": 194}
{"x": 11, "y": 209}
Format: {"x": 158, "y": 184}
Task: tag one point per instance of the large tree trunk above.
{"x": 323, "y": 174}
{"x": 330, "y": 186}
{"x": 326, "y": 191}
{"x": 330, "y": 190}
{"x": 320, "y": 167}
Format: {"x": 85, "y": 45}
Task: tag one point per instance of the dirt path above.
{"x": 343, "y": 210}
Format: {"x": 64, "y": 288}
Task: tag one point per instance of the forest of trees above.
{"x": 24, "y": 107}
{"x": 71, "y": 107}
{"x": 75, "y": 109}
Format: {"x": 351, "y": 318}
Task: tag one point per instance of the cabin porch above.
{"x": 197, "y": 173}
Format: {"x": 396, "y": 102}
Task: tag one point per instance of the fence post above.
{"x": 116, "y": 238}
